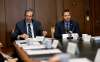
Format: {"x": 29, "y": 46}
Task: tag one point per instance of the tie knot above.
{"x": 29, "y": 24}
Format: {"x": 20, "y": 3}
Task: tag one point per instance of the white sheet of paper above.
{"x": 55, "y": 43}
{"x": 64, "y": 37}
{"x": 27, "y": 44}
{"x": 41, "y": 52}
{"x": 47, "y": 42}
{"x": 75, "y": 36}
{"x": 86, "y": 38}
{"x": 72, "y": 48}
{"x": 97, "y": 57}
{"x": 97, "y": 38}
{"x": 40, "y": 38}
{"x": 80, "y": 60}
{"x": 20, "y": 41}
{"x": 33, "y": 47}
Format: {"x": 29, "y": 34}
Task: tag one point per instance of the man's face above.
{"x": 67, "y": 16}
{"x": 28, "y": 16}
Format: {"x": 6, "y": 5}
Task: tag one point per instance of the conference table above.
{"x": 86, "y": 50}
{"x": 33, "y": 51}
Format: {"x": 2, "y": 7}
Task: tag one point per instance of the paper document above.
{"x": 41, "y": 52}
{"x": 72, "y": 48}
{"x": 64, "y": 37}
{"x": 75, "y": 36}
{"x": 40, "y": 38}
{"x": 97, "y": 57}
{"x": 33, "y": 47}
{"x": 55, "y": 43}
{"x": 80, "y": 60}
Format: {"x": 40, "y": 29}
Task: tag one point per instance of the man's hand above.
{"x": 24, "y": 36}
{"x": 44, "y": 33}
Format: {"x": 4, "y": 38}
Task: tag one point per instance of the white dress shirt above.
{"x": 31, "y": 25}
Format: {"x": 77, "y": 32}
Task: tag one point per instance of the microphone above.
{"x": 69, "y": 32}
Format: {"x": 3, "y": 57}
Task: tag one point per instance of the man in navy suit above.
{"x": 66, "y": 25}
{"x": 28, "y": 27}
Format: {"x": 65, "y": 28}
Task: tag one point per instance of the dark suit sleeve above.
{"x": 38, "y": 29}
{"x": 57, "y": 33}
{"x": 77, "y": 29}
{"x": 15, "y": 33}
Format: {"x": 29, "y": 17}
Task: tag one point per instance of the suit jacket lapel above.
{"x": 71, "y": 26}
{"x": 63, "y": 28}
{"x": 24, "y": 27}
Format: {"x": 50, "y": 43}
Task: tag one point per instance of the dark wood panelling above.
{"x": 14, "y": 13}
{"x": 30, "y": 3}
{"x": 95, "y": 7}
{"x": 2, "y": 22}
{"x": 46, "y": 13}
{"x": 87, "y": 13}
{"x": 77, "y": 7}
{"x": 60, "y": 7}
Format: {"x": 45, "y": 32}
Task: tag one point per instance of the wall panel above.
{"x": 2, "y": 22}
{"x": 77, "y": 7}
{"x": 46, "y": 13}
{"x": 14, "y": 10}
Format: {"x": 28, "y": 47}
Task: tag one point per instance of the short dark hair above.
{"x": 28, "y": 10}
{"x": 66, "y": 10}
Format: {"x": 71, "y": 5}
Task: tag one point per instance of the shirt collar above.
{"x": 66, "y": 21}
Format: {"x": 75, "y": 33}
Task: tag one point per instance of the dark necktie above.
{"x": 29, "y": 31}
{"x": 67, "y": 26}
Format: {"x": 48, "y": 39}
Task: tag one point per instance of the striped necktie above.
{"x": 29, "y": 31}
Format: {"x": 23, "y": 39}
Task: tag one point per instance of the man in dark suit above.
{"x": 66, "y": 25}
{"x": 27, "y": 27}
